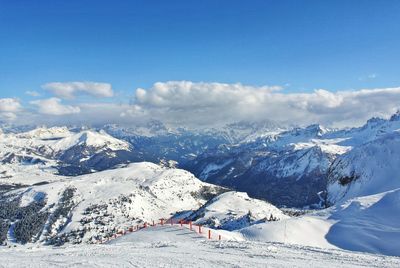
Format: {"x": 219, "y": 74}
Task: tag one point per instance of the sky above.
{"x": 199, "y": 62}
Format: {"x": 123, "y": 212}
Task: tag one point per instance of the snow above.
{"x": 150, "y": 191}
{"x": 168, "y": 190}
{"x": 228, "y": 210}
{"x": 210, "y": 168}
{"x": 46, "y": 133}
{"x": 30, "y": 196}
{"x": 375, "y": 166}
{"x": 368, "y": 224}
{"x": 364, "y": 216}
{"x": 306, "y": 230}
{"x": 33, "y": 152}
{"x": 329, "y": 146}
{"x": 91, "y": 139}
{"x": 168, "y": 247}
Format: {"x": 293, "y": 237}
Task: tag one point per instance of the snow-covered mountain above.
{"x": 371, "y": 168}
{"x": 292, "y": 167}
{"x": 71, "y": 153}
{"x": 287, "y": 168}
{"x": 180, "y": 145}
{"x": 155, "y": 141}
{"x": 92, "y": 207}
{"x": 78, "y": 185}
{"x": 368, "y": 223}
{"x": 235, "y": 210}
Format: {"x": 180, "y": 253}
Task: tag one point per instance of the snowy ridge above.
{"x": 115, "y": 198}
{"x": 59, "y": 150}
{"x": 369, "y": 169}
{"x": 369, "y": 224}
{"x": 291, "y": 167}
{"x": 354, "y": 170}
{"x": 46, "y": 133}
{"x": 93, "y": 207}
{"x": 235, "y": 210}
{"x": 91, "y": 139}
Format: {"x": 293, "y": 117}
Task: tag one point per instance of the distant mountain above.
{"x": 79, "y": 185}
{"x": 155, "y": 141}
{"x": 294, "y": 167}
{"x": 286, "y": 168}
{"x": 291, "y": 168}
{"x": 69, "y": 152}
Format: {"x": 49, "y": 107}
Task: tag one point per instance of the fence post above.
{"x": 199, "y": 229}
{"x": 209, "y": 234}
{"x": 162, "y": 221}
{"x": 190, "y": 225}
{"x": 219, "y": 237}
{"x": 181, "y": 222}
{"x": 153, "y": 223}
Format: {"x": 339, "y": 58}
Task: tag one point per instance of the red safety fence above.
{"x": 182, "y": 223}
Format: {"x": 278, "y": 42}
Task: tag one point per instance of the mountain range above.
{"x": 77, "y": 184}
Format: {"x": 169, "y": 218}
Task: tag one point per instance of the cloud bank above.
{"x": 185, "y": 103}
{"x": 208, "y": 103}
{"x": 8, "y": 108}
{"x": 69, "y": 90}
{"x": 53, "y": 106}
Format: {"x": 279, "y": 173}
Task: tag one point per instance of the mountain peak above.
{"x": 92, "y": 138}
{"x": 317, "y": 129}
{"x": 396, "y": 116}
{"x": 44, "y": 132}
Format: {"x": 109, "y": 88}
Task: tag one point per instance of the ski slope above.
{"x": 178, "y": 247}
{"x": 368, "y": 224}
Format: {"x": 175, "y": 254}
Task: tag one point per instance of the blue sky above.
{"x": 299, "y": 45}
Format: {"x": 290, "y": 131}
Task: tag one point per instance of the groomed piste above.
{"x": 176, "y": 246}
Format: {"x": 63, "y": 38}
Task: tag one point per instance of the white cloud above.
{"x": 216, "y": 103}
{"x": 32, "y": 93}
{"x": 8, "y": 116}
{"x": 53, "y": 106}
{"x": 10, "y": 105}
{"x": 69, "y": 90}
{"x": 182, "y": 94}
{"x": 183, "y": 103}
{"x": 8, "y": 108}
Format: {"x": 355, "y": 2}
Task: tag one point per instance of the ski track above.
{"x": 176, "y": 247}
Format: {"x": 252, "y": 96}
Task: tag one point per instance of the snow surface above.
{"x": 91, "y": 139}
{"x": 375, "y": 167}
{"x": 175, "y": 247}
{"x": 365, "y": 217}
{"x": 154, "y": 192}
{"x": 212, "y": 167}
{"x": 46, "y": 133}
{"x": 368, "y": 224}
{"x": 229, "y": 210}
{"x": 306, "y": 230}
